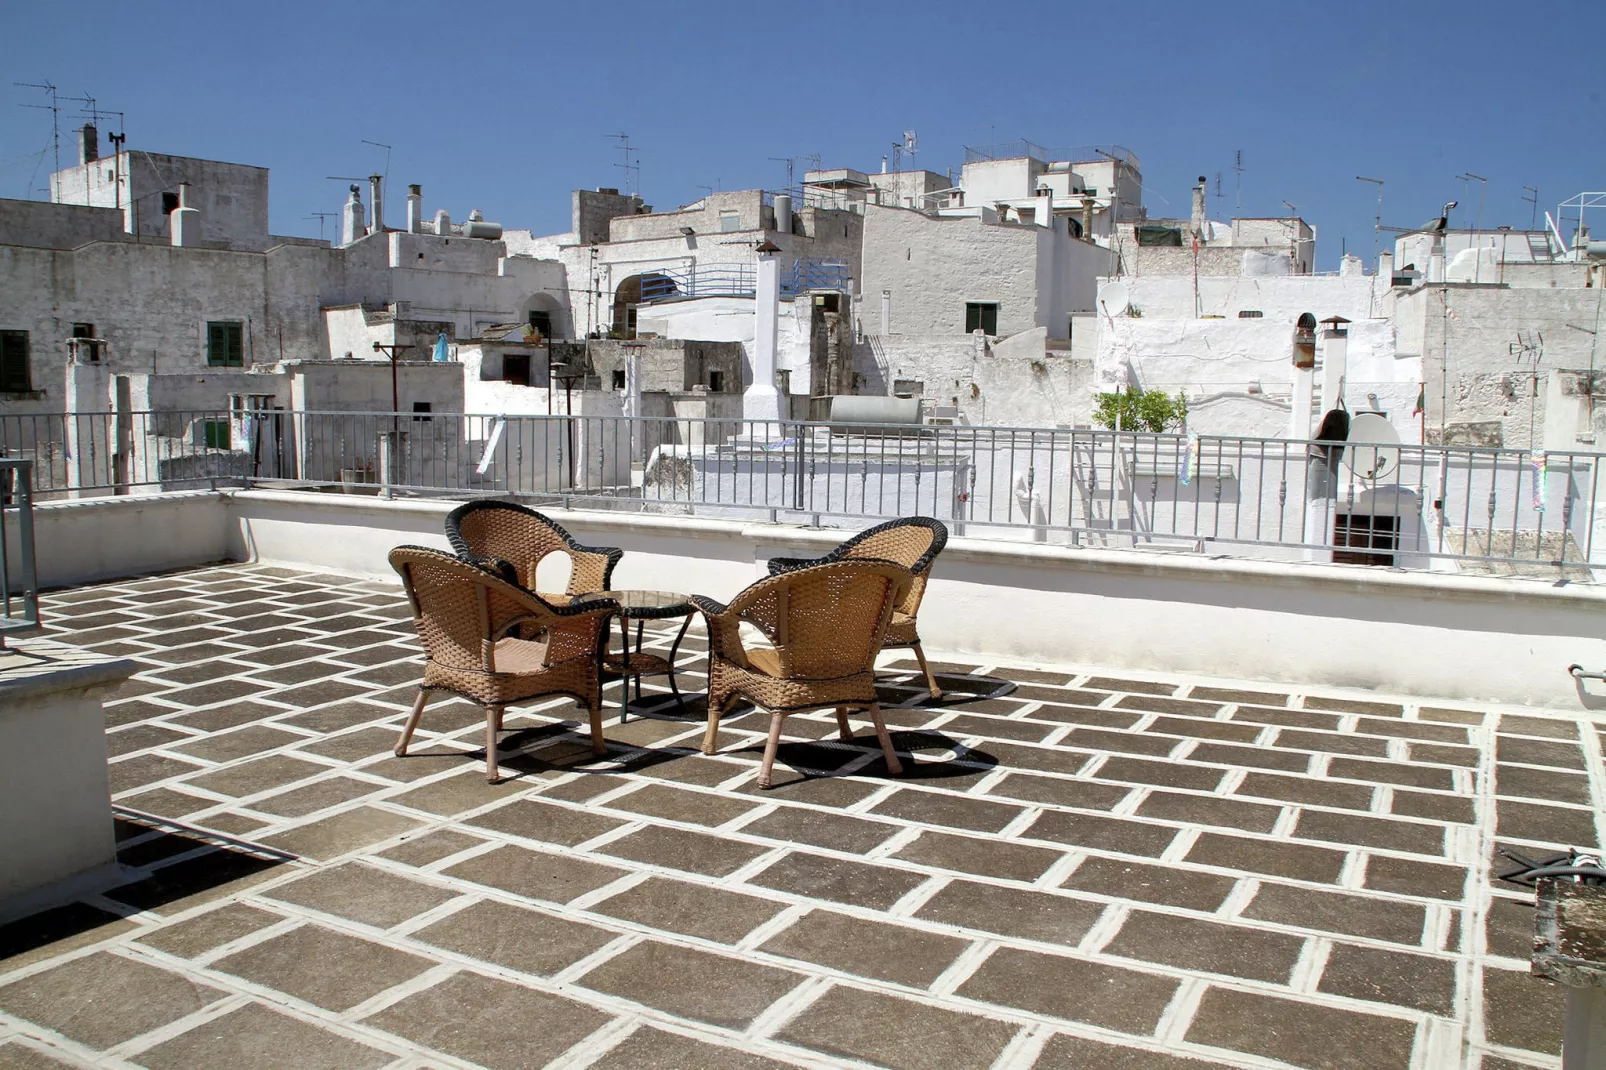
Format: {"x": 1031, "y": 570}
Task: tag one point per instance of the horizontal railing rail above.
{"x": 19, "y": 578}
{"x": 1407, "y": 506}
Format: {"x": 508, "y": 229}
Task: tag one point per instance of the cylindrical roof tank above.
{"x": 863, "y": 409}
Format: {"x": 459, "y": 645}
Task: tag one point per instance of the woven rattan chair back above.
{"x": 496, "y": 644}
{"x": 825, "y": 622}
{"x": 523, "y": 537}
{"x": 458, "y": 607}
{"x": 913, "y": 542}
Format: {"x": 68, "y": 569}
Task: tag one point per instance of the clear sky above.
{"x": 506, "y": 107}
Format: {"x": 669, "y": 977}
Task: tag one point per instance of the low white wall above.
{"x": 104, "y": 538}
{"x": 1502, "y": 640}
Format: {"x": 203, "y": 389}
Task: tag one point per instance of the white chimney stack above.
{"x": 1045, "y": 207}
{"x": 1199, "y": 206}
{"x": 184, "y": 225}
{"x": 761, "y": 400}
{"x": 415, "y": 208}
{"x": 1335, "y": 361}
{"x": 351, "y": 218}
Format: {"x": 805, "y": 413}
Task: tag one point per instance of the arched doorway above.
{"x": 632, "y": 292}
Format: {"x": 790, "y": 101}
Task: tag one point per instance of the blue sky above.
{"x": 506, "y": 107}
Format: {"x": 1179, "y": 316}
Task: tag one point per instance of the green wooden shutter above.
{"x": 217, "y": 344}
{"x": 236, "y": 345}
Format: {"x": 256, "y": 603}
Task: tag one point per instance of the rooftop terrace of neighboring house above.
{"x": 1080, "y": 867}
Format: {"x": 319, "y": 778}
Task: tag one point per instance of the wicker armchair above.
{"x": 467, "y": 617}
{"x": 913, "y": 542}
{"x": 511, "y": 540}
{"x": 826, "y": 624}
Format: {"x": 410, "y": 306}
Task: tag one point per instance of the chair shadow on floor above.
{"x": 900, "y": 687}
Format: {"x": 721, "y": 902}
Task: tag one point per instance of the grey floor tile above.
{"x": 728, "y": 992}
{"x": 255, "y": 1037}
{"x": 323, "y": 967}
{"x": 362, "y": 893}
{"x": 102, "y": 1000}
{"x": 516, "y": 937}
{"x": 693, "y": 909}
{"x": 888, "y": 1031}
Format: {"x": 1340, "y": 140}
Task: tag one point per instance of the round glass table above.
{"x": 642, "y": 606}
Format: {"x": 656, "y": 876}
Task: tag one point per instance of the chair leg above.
{"x": 894, "y": 766}
{"x": 771, "y": 745}
{"x": 711, "y": 737}
{"x": 931, "y": 681}
{"x": 599, "y": 744}
{"x": 412, "y": 723}
{"x": 844, "y": 730}
{"x": 493, "y": 724}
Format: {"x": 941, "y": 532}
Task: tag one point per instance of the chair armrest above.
{"x": 499, "y": 567}
{"x": 724, "y": 632}
{"x": 779, "y": 565}
{"x": 708, "y": 606}
{"x": 591, "y": 567}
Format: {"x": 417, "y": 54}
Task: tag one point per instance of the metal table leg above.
{"x": 680, "y": 702}
{"x": 624, "y": 675}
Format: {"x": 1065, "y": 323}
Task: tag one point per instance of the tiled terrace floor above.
{"x": 1080, "y": 871}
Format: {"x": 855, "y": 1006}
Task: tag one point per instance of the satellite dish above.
{"x": 1115, "y": 299}
{"x": 1373, "y": 447}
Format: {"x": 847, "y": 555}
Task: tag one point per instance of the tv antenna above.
{"x": 632, "y": 164}
{"x": 54, "y": 108}
{"x": 1218, "y": 193}
{"x": 1293, "y": 209}
{"x": 1238, "y": 171}
{"x": 1529, "y": 346}
{"x": 1470, "y": 177}
{"x": 1377, "y": 227}
{"x": 320, "y": 217}
{"x": 791, "y": 161}
{"x": 1533, "y": 220}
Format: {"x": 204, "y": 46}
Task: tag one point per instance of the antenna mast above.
{"x": 1238, "y": 180}
{"x": 631, "y": 166}
{"x": 55, "y": 114}
{"x": 1377, "y": 227}
{"x": 1533, "y": 220}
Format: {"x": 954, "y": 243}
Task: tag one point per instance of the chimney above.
{"x": 783, "y": 213}
{"x": 351, "y": 218}
{"x": 1199, "y": 206}
{"x": 184, "y": 225}
{"x": 1335, "y": 361}
{"x": 1087, "y": 218}
{"x": 89, "y": 144}
{"x": 376, "y": 203}
{"x": 443, "y": 223}
{"x": 415, "y": 208}
{"x": 761, "y": 400}
{"x": 1045, "y": 207}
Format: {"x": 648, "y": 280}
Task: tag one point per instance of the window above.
{"x": 981, "y": 316}
{"x": 14, "y": 362}
{"x": 225, "y": 344}
{"x": 169, "y": 203}
{"x": 541, "y": 323}
{"x": 516, "y": 369}
{"x": 618, "y": 378}
{"x": 908, "y": 388}
{"x": 422, "y": 409}
{"x": 215, "y": 434}
{"x": 716, "y": 382}
{"x": 729, "y": 221}
{"x": 83, "y": 330}
{"x": 1250, "y": 314}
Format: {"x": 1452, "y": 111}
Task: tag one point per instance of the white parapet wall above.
{"x": 1506, "y": 640}
{"x": 57, "y": 838}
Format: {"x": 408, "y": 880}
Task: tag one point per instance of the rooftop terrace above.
{"x": 1082, "y": 868}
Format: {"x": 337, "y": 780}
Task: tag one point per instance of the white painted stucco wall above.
{"x": 1327, "y": 626}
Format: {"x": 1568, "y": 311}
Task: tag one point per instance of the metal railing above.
{"x": 19, "y": 577}
{"x": 1408, "y": 506}
{"x": 741, "y": 280}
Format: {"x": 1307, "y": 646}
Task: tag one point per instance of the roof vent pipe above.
{"x": 783, "y": 213}
{"x": 376, "y": 203}
{"x": 415, "y": 208}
